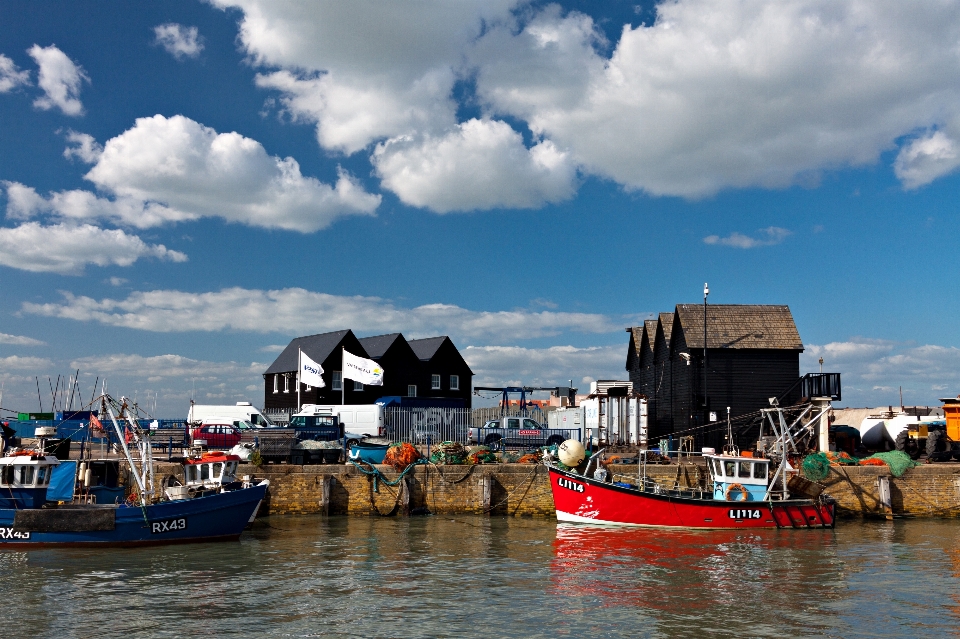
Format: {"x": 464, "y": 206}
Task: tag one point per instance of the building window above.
{"x": 337, "y": 381}
{"x": 286, "y": 383}
{"x": 276, "y": 383}
{"x": 434, "y": 382}
{"x": 357, "y": 386}
{"x": 454, "y": 382}
{"x": 412, "y": 390}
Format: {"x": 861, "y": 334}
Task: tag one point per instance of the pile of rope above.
{"x": 530, "y": 458}
{"x": 482, "y": 455}
{"x": 816, "y": 466}
{"x": 448, "y": 453}
{"x": 400, "y": 456}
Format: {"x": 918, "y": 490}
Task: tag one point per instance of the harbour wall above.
{"x": 930, "y": 490}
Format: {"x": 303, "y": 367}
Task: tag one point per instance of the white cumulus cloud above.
{"x": 178, "y": 40}
{"x": 85, "y": 147}
{"x": 481, "y": 165}
{"x": 60, "y": 78}
{"x": 298, "y": 311}
{"x": 765, "y": 237}
{"x": 174, "y": 169}
{"x": 925, "y": 159}
{"x": 193, "y": 170}
{"x": 712, "y": 95}
{"x": 10, "y": 76}
{"x": 716, "y": 94}
{"x": 68, "y": 248}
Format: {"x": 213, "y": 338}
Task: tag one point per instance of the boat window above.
{"x": 231, "y": 468}
{"x": 760, "y": 471}
{"x": 745, "y": 468}
{"x": 217, "y": 468}
{"x": 41, "y": 475}
{"x": 6, "y": 476}
{"x": 729, "y": 469}
{"x": 717, "y": 468}
{"x": 204, "y": 472}
{"x": 25, "y": 475}
{"x": 191, "y": 473}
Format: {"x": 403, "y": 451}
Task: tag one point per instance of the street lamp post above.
{"x": 706, "y": 291}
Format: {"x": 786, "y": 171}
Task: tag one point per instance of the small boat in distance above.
{"x": 743, "y": 492}
{"x": 207, "y": 509}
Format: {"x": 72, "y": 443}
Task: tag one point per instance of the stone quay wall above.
{"x": 930, "y": 490}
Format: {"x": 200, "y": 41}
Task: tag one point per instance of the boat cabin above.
{"x": 739, "y": 478}
{"x": 24, "y": 478}
{"x": 210, "y": 472}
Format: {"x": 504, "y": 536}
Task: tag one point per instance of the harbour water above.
{"x": 497, "y": 577}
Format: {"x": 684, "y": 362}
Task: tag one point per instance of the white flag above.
{"x": 365, "y": 371}
{"x": 310, "y": 372}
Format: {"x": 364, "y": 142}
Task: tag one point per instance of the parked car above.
{"x": 517, "y": 432}
{"x": 217, "y": 435}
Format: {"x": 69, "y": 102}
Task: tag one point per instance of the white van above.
{"x": 357, "y": 419}
{"x": 227, "y": 414}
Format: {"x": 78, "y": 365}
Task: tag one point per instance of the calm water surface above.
{"x": 463, "y": 576}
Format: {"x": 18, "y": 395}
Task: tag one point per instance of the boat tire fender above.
{"x": 733, "y": 487}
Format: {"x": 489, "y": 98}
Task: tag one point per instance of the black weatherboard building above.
{"x": 426, "y": 369}
{"x": 752, "y": 354}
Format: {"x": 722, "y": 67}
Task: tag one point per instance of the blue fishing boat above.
{"x": 211, "y": 506}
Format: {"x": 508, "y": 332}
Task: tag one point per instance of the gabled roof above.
{"x": 316, "y": 347}
{"x": 427, "y": 347}
{"x": 650, "y": 328}
{"x": 377, "y": 345}
{"x": 666, "y": 321}
{"x": 740, "y": 326}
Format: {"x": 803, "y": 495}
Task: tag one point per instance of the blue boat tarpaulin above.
{"x": 62, "y": 482}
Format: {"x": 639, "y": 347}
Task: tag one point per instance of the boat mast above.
{"x": 126, "y": 450}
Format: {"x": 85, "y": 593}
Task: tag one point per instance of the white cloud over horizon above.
{"x": 873, "y": 370}
{"x": 178, "y": 40}
{"x": 299, "y": 311}
{"x": 60, "y": 78}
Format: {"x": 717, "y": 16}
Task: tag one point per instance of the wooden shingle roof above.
{"x": 666, "y": 321}
{"x": 740, "y": 326}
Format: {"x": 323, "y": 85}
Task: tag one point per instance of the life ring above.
{"x": 732, "y": 487}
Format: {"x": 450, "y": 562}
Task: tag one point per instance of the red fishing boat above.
{"x": 742, "y": 492}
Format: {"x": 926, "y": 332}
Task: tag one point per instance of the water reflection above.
{"x": 679, "y": 575}
{"x": 496, "y": 577}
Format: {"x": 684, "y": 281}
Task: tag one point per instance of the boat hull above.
{"x": 218, "y": 517}
{"x": 580, "y": 499}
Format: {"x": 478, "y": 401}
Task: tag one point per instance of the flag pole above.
{"x": 299, "y": 368}
{"x": 343, "y": 380}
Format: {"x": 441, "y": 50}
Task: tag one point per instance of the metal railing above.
{"x": 500, "y": 438}
{"x": 420, "y": 425}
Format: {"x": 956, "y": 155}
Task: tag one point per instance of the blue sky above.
{"x": 186, "y": 186}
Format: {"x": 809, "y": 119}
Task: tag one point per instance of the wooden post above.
{"x": 486, "y": 487}
{"x": 326, "y": 488}
{"x": 406, "y": 488}
{"x": 886, "y": 501}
